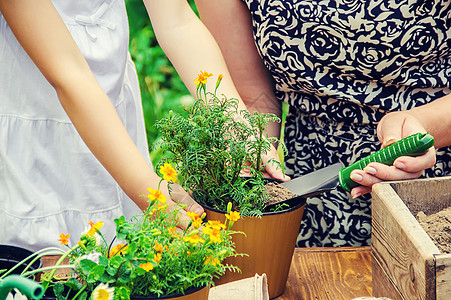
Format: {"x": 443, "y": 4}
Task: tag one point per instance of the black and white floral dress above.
{"x": 342, "y": 65}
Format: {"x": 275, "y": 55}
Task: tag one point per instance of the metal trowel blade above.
{"x": 316, "y": 182}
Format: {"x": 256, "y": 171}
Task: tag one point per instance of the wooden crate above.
{"x": 406, "y": 264}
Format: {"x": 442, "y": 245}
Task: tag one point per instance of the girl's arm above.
{"x": 191, "y": 47}
{"x": 42, "y": 33}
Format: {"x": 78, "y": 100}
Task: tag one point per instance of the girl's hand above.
{"x": 393, "y": 127}
{"x": 273, "y": 170}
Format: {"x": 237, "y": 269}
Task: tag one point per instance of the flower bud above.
{"x": 229, "y": 207}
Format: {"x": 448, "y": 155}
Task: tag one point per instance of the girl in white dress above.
{"x": 73, "y": 146}
{"x": 72, "y": 135}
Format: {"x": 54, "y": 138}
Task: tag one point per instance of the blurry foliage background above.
{"x": 161, "y": 87}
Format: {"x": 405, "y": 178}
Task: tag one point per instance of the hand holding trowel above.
{"x": 329, "y": 178}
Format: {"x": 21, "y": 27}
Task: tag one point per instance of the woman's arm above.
{"x": 434, "y": 118}
{"x": 191, "y": 47}
{"x": 41, "y": 32}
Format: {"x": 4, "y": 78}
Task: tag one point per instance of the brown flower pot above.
{"x": 269, "y": 242}
{"x": 191, "y": 294}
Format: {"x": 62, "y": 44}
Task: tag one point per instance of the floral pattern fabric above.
{"x": 342, "y": 65}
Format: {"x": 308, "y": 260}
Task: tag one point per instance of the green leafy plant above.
{"x": 212, "y": 143}
{"x": 150, "y": 256}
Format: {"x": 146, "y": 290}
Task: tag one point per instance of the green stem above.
{"x": 37, "y": 255}
{"x": 80, "y": 291}
{"x": 47, "y": 268}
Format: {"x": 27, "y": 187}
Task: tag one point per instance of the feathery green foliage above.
{"x": 211, "y": 144}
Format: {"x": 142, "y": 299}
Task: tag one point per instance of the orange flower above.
{"x": 158, "y": 247}
{"x": 169, "y": 173}
{"x": 146, "y": 266}
{"x": 218, "y": 81}
{"x": 202, "y": 78}
{"x": 64, "y": 238}
{"x": 206, "y": 74}
{"x": 94, "y": 227}
{"x": 156, "y": 194}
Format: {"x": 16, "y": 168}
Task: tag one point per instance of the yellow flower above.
{"x": 118, "y": 249}
{"x": 197, "y": 223}
{"x": 216, "y": 224}
{"x": 64, "y": 238}
{"x": 146, "y": 266}
{"x": 156, "y": 194}
{"x": 161, "y": 207}
{"x": 173, "y": 232}
{"x": 103, "y": 292}
{"x": 211, "y": 261}
{"x": 157, "y": 257}
{"x": 169, "y": 173}
{"x": 214, "y": 233}
{"x": 158, "y": 247}
{"x": 194, "y": 239}
{"x": 192, "y": 216}
{"x": 233, "y": 216}
{"x": 94, "y": 227}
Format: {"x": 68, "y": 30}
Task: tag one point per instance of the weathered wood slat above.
{"x": 402, "y": 251}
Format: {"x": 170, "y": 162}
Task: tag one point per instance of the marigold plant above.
{"x": 150, "y": 256}
{"x": 212, "y": 144}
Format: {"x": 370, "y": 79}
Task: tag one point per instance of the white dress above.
{"x": 50, "y": 183}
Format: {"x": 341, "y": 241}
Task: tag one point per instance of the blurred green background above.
{"x": 161, "y": 87}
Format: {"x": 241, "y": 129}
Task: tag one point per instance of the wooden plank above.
{"x": 382, "y": 285}
{"x": 329, "y": 273}
{"x": 404, "y": 250}
{"x": 443, "y": 276}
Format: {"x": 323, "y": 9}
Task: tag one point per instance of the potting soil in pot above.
{"x": 438, "y": 227}
{"x": 277, "y": 192}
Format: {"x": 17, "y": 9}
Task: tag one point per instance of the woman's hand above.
{"x": 393, "y": 127}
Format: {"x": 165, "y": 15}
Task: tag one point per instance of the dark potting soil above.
{"x": 277, "y": 193}
{"x": 438, "y": 227}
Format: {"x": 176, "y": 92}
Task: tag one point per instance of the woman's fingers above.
{"x": 404, "y": 167}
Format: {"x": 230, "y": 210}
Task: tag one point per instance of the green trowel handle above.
{"x": 414, "y": 145}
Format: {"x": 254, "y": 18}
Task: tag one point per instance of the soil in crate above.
{"x": 438, "y": 227}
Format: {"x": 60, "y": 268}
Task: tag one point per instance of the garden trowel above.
{"x": 328, "y": 178}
